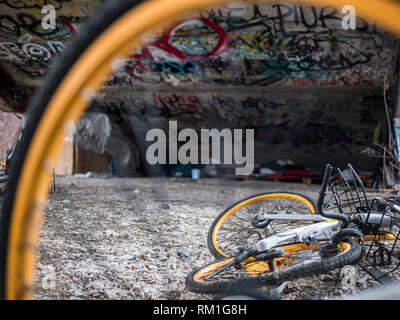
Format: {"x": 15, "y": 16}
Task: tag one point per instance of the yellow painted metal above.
{"x": 201, "y": 274}
{"x": 68, "y": 103}
{"x": 255, "y": 268}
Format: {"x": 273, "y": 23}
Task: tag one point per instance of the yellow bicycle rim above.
{"x": 250, "y": 201}
{"x": 70, "y": 100}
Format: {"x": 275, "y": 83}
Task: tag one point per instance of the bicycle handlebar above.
{"x": 320, "y": 204}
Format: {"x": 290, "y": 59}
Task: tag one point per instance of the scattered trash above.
{"x": 210, "y": 170}
{"x": 91, "y": 175}
{"x": 98, "y": 133}
{"x": 196, "y": 174}
{"x": 181, "y": 171}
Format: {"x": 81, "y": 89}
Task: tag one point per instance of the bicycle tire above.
{"x": 85, "y": 64}
{"x": 221, "y": 248}
{"x": 350, "y": 256}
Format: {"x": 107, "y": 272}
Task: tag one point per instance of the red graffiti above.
{"x": 68, "y": 24}
{"x": 180, "y": 107}
{"x": 164, "y": 43}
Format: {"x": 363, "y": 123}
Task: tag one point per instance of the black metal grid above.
{"x": 378, "y": 219}
{"x": 381, "y": 229}
{"x": 348, "y": 194}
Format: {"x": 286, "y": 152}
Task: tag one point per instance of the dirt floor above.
{"x": 110, "y": 238}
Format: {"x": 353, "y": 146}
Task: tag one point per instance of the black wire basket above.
{"x": 378, "y": 219}
{"x": 347, "y": 194}
{"x": 381, "y": 229}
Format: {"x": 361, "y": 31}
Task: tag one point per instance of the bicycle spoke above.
{"x": 237, "y": 229}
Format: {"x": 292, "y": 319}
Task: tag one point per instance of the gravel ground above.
{"x": 111, "y": 238}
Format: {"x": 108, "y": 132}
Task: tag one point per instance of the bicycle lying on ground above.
{"x": 318, "y": 243}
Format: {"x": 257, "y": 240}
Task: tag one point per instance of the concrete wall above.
{"x": 26, "y": 49}
{"x": 308, "y": 128}
{"x": 312, "y": 90}
{"x": 262, "y": 45}
{"x": 266, "y": 44}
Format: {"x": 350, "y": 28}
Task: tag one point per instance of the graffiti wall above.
{"x": 290, "y": 71}
{"x": 262, "y": 45}
{"x": 26, "y": 49}
{"x": 308, "y": 128}
{"x": 252, "y": 45}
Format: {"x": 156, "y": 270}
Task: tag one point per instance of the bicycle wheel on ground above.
{"x": 238, "y": 225}
{"x": 298, "y": 260}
